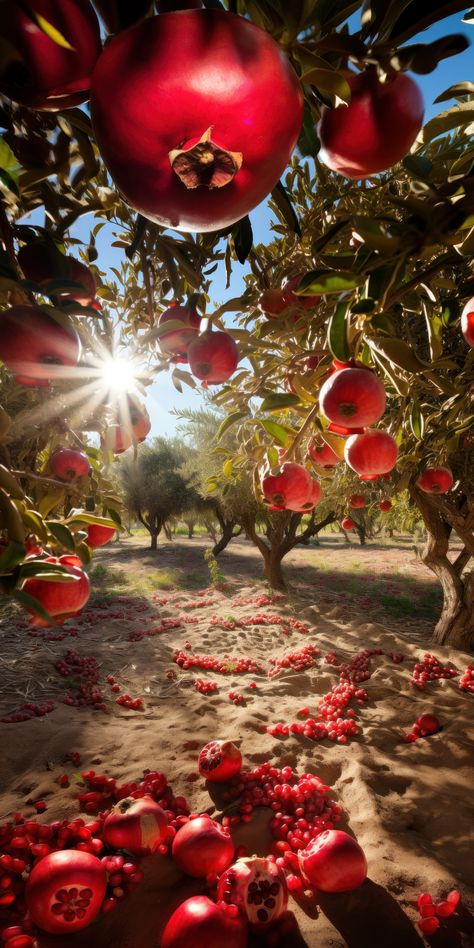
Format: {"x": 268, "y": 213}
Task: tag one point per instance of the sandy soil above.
{"x": 410, "y": 805}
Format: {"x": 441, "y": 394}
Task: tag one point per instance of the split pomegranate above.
{"x": 176, "y": 342}
{"x": 200, "y": 922}
{"x": 426, "y": 724}
{"x": 258, "y": 887}
{"x": 377, "y": 128}
{"x": 219, "y": 761}
{"x": 334, "y": 862}
{"x": 213, "y": 357}
{"x": 36, "y": 70}
{"x": 435, "y": 480}
{"x": 137, "y": 825}
{"x": 467, "y": 322}
{"x": 357, "y": 501}
{"x": 322, "y": 454}
{"x": 347, "y": 523}
{"x": 203, "y": 848}
{"x": 195, "y": 87}
{"x": 352, "y": 398}
{"x": 35, "y": 346}
{"x": 68, "y": 464}
{"x": 370, "y": 454}
{"x": 385, "y": 505}
{"x": 98, "y": 535}
{"x": 61, "y": 600}
{"x": 289, "y": 489}
{"x": 65, "y": 891}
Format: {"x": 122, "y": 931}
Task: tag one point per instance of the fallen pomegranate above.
{"x": 322, "y": 454}
{"x": 213, "y": 357}
{"x": 352, "y": 398}
{"x": 98, "y": 535}
{"x": 61, "y": 600}
{"x": 426, "y": 724}
{"x": 289, "y": 489}
{"x": 333, "y": 862}
{"x": 435, "y": 480}
{"x": 347, "y": 523}
{"x": 203, "y": 848}
{"x": 68, "y": 464}
{"x": 258, "y": 887}
{"x": 136, "y": 825}
{"x": 377, "y": 128}
{"x": 199, "y": 922}
{"x": 219, "y": 761}
{"x": 176, "y": 342}
{"x": 35, "y": 346}
{"x": 467, "y": 322}
{"x": 370, "y": 454}
{"x": 357, "y": 501}
{"x": 385, "y": 505}
{"x": 38, "y": 71}
{"x": 65, "y": 891}
{"x": 195, "y": 86}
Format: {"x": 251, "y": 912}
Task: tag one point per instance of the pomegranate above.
{"x": 385, "y": 505}
{"x": 435, "y": 480}
{"x": 213, "y": 357}
{"x": 61, "y": 600}
{"x": 117, "y": 439}
{"x": 258, "y": 887}
{"x": 353, "y": 398}
{"x": 288, "y": 489}
{"x": 322, "y": 454}
{"x": 291, "y": 299}
{"x": 219, "y": 761}
{"x": 139, "y": 418}
{"x": 35, "y": 346}
{"x": 272, "y": 303}
{"x": 313, "y": 499}
{"x": 137, "y": 825}
{"x": 78, "y": 272}
{"x": 42, "y": 262}
{"x": 357, "y": 501}
{"x": 347, "y": 523}
{"x": 199, "y": 922}
{"x": 176, "y": 342}
{"x": 68, "y": 464}
{"x": 37, "y": 71}
{"x": 426, "y": 724}
{"x": 98, "y": 535}
{"x": 203, "y": 848}
{"x": 65, "y": 891}
{"x": 467, "y": 322}
{"x": 195, "y": 87}
{"x": 370, "y": 454}
{"x": 376, "y": 129}
{"x": 334, "y": 862}
{"x": 168, "y": 6}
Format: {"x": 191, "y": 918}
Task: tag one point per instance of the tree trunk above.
{"x": 361, "y": 533}
{"x": 211, "y": 530}
{"x": 227, "y": 534}
{"x": 273, "y": 570}
{"x": 167, "y": 531}
{"x": 153, "y": 540}
{"x": 190, "y": 526}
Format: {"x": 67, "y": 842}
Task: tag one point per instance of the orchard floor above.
{"x": 409, "y": 805}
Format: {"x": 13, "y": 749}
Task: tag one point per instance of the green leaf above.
{"x": 41, "y": 569}
{"x": 279, "y": 433}
{"x": 51, "y": 31}
{"x": 32, "y": 604}
{"x": 13, "y": 555}
{"x": 329, "y": 81}
{"x": 91, "y": 518}
{"x": 308, "y": 142}
{"x": 62, "y": 534}
{"x": 417, "y": 422}
{"x": 455, "y": 117}
{"x": 337, "y": 333}
{"x": 279, "y": 400}
{"x": 328, "y": 281}
{"x": 398, "y": 352}
{"x": 458, "y": 89}
{"x": 284, "y": 204}
{"x": 231, "y": 419}
{"x": 242, "y": 238}
{"x": 418, "y": 166}
{"x": 114, "y": 516}
{"x": 272, "y": 455}
{"x": 228, "y": 467}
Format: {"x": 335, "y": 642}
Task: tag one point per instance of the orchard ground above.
{"x": 409, "y": 804}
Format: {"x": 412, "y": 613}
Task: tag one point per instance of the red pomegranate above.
{"x": 288, "y": 489}
{"x": 117, "y": 438}
{"x": 258, "y": 887}
{"x": 35, "y": 346}
{"x": 199, "y": 922}
{"x": 322, "y": 454}
{"x": 213, "y": 357}
{"x": 385, "y": 505}
{"x": 65, "y": 891}
{"x": 334, "y": 862}
{"x": 467, "y": 322}
{"x": 219, "y": 761}
{"x": 272, "y": 303}
{"x": 435, "y": 480}
{"x": 169, "y": 6}
{"x": 78, "y": 272}
{"x": 137, "y": 825}
{"x": 313, "y": 499}
{"x": 176, "y": 342}
{"x": 353, "y": 398}
{"x": 203, "y": 848}
{"x": 40, "y": 73}
{"x": 291, "y": 299}
{"x": 426, "y": 724}
{"x": 377, "y": 128}
{"x": 139, "y": 418}
{"x": 357, "y": 501}
{"x": 33, "y": 545}
{"x": 370, "y": 454}
{"x": 347, "y": 523}
{"x": 99, "y": 536}
{"x": 42, "y": 262}
{"x": 68, "y": 464}
{"x": 61, "y": 600}
{"x": 195, "y": 87}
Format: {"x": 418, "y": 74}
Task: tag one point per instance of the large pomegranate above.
{"x": 370, "y": 454}
{"x": 199, "y": 922}
{"x": 467, "y": 322}
{"x": 203, "y": 848}
{"x": 42, "y": 262}
{"x": 376, "y": 129}
{"x": 137, "y": 825}
{"x": 322, "y": 454}
{"x": 334, "y": 862}
{"x": 435, "y": 480}
{"x": 213, "y": 357}
{"x": 181, "y": 113}
{"x": 177, "y": 341}
{"x": 37, "y": 71}
{"x": 68, "y": 464}
{"x": 219, "y": 761}
{"x": 35, "y": 346}
{"x": 65, "y": 891}
{"x": 313, "y": 499}
{"x": 61, "y": 600}
{"x": 258, "y": 886}
{"x": 357, "y": 501}
{"x": 98, "y": 535}
{"x": 352, "y": 398}
{"x": 289, "y": 489}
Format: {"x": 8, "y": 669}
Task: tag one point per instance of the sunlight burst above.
{"x": 118, "y": 375}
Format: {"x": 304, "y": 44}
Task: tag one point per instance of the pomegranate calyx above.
{"x": 205, "y": 164}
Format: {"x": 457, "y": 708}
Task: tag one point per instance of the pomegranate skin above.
{"x": 334, "y": 862}
{"x": 65, "y": 871}
{"x": 291, "y": 299}
{"x": 137, "y": 825}
{"x": 385, "y": 505}
{"x": 34, "y": 346}
{"x": 377, "y": 128}
{"x": 427, "y": 724}
{"x": 48, "y": 76}
{"x": 271, "y": 303}
{"x": 202, "y": 848}
{"x": 289, "y": 489}
{"x": 199, "y": 922}
{"x": 313, "y": 500}
{"x": 347, "y": 523}
{"x": 258, "y": 887}
{"x": 41, "y": 262}
{"x": 68, "y": 464}
{"x": 467, "y": 322}
{"x": 61, "y": 600}
{"x": 357, "y": 501}
{"x": 176, "y": 342}
{"x": 213, "y": 357}
{"x": 161, "y": 85}
{"x": 322, "y": 454}
{"x": 370, "y": 454}
{"x": 353, "y": 398}
{"x": 219, "y": 761}
{"x": 435, "y": 480}
{"x": 98, "y": 536}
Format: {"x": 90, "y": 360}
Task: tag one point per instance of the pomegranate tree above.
{"x": 176, "y": 342}
{"x": 203, "y": 848}
{"x": 62, "y": 600}
{"x": 65, "y": 891}
{"x": 35, "y": 345}
{"x": 258, "y": 887}
{"x": 352, "y": 398}
{"x": 370, "y": 454}
{"x": 333, "y": 862}
{"x": 219, "y": 761}
{"x": 213, "y": 357}
{"x": 435, "y": 480}
{"x": 68, "y": 464}
{"x": 467, "y": 322}
{"x": 137, "y": 825}
{"x": 290, "y": 489}
{"x": 198, "y": 921}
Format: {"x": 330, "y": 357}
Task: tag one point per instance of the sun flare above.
{"x": 118, "y": 375}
